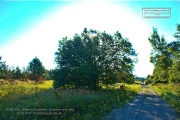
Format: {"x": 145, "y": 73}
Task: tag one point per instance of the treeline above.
{"x": 166, "y": 58}
{"x": 93, "y": 59}
{"x": 142, "y": 79}
{"x": 34, "y": 71}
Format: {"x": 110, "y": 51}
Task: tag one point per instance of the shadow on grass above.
{"x": 173, "y": 100}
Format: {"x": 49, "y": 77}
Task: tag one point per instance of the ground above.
{"x": 146, "y": 106}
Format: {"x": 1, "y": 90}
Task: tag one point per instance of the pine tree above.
{"x": 37, "y": 70}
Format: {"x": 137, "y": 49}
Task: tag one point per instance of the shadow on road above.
{"x": 146, "y": 106}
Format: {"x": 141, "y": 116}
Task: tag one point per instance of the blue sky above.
{"x": 29, "y": 29}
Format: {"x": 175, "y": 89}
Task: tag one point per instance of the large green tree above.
{"x": 37, "y": 70}
{"x": 76, "y": 60}
{"x": 166, "y": 58}
{"x": 174, "y": 48}
{"x": 160, "y": 57}
{"x": 93, "y": 58}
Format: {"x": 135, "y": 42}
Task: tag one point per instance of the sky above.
{"x": 31, "y": 29}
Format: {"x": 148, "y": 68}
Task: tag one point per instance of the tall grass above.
{"x": 28, "y": 101}
{"x": 23, "y": 88}
{"x": 170, "y": 93}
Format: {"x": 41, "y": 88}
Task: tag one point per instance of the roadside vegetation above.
{"x": 26, "y": 100}
{"x": 165, "y": 80}
{"x": 170, "y": 93}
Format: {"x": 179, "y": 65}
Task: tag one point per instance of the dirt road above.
{"x": 146, "y": 106}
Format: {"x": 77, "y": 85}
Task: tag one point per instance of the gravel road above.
{"x": 147, "y": 105}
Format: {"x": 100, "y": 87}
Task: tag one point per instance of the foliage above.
{"x": 72, "y": 104}
{"x": 46, "y": 75}
{"x": 165, "y": 57}
{"x": 16, "y": 73}
{"x": 142, "y": 79}
{"x": 159, "y": 46}
{"x": 170, "y": 93}
{"x": 160, "y": 57}
{"x": 36, "y": 69}
{"x": 174, "y": 73}
{"x": 92, "y": 58}
{"x": 174, "y": 48}
{"x": 25, "y": 74}
{"x": 51, "y": 73}
{"x": 177, "y": 34}
{"x": 3, "y": 70}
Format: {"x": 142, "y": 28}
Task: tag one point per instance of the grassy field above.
{"x": 170, "y": 93}
{"x": 29, "y": 101}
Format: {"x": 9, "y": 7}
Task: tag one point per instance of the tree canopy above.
{"x": 94, "y": 58}
{"x": 165, "y": 57}
{"x": 174, "y": 48}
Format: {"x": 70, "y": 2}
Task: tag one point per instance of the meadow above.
{"x": 29, "y": 101}
{"x": 170, "y": 93}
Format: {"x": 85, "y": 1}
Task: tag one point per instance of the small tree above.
{"x": 16, "y": 73}
{"x": 46, "y": 75}
{"x": 4, "y": 69}
{"x": 37, "y": 70}
{"x": 25, "y": 74}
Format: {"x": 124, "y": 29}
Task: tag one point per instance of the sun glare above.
{"x": 42, "y": 40}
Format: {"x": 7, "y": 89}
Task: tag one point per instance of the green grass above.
{"x": 23, "y": 88}
{"x": 24, "y": 101}
{"x": 170, "y": 93}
